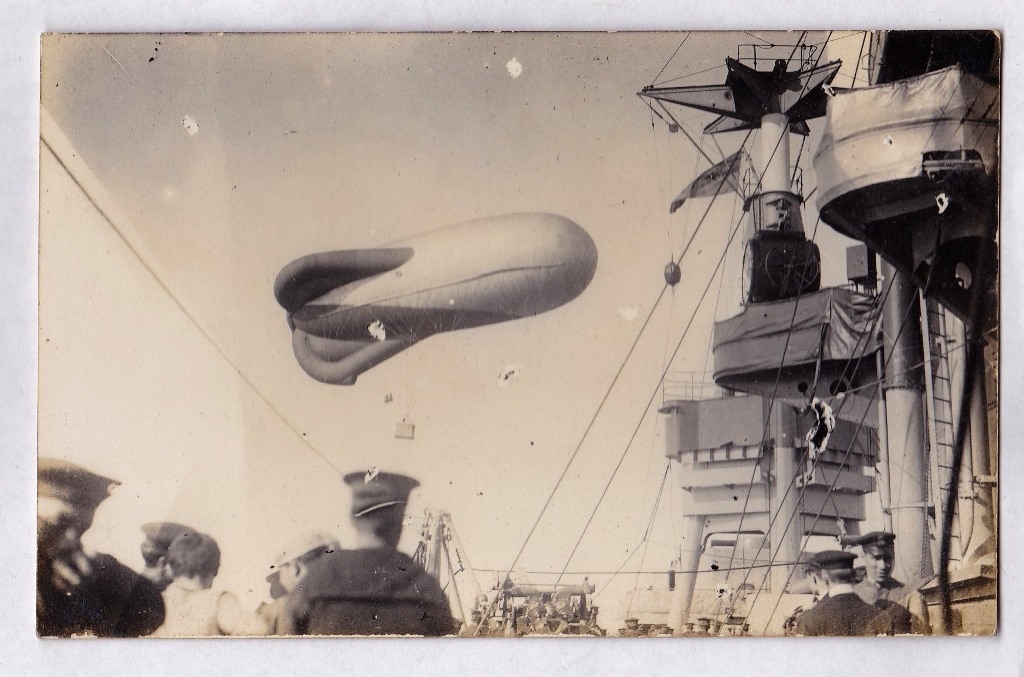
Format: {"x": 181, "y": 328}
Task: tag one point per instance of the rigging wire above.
{"x": 646, "y": 572}
{"x": 714, "y": 140}
{"x": 799, "y": 43}
{"x": 188, "y": 314}
{"x": 851, "y": 34}
{"x": 849, "y": 449}
{"x": 973, "y": 359}
{"x": 956, "y": 461}
{"x": 618, "y": 373}
{"x": 718, "y": 299}
{"x": 804, "y": 456}
{"x": 874, "y": 384}
{"x": 685, "y": 38}
{"x": 647, "y": 533}
{"x": 650, "y": 401}
{"x": 796, "y": 165}
{"x": 704, "y": 294}
{"x": 682, "y": 127}
{"x": 635, "y": 550}
{"x": 879, "y": 303}
{"x": 758, "y": 37}
{"x": 767, "y": 422}
{"x": 686, "y": 76}
{"x": 775, "y": 389}
{"x": 856, "y": 66}
{"x": 817, "y": 517}
{"x": 885, "y": 364}
{"x": 986, "y": 124}
{"x": 690, "y": 75}
{"x": 942, "y": 112}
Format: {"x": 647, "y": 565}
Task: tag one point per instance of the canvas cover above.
{"x": 878, "y": 134}
{"x": 752, "y": 342}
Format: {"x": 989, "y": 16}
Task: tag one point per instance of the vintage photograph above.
{"x": 585, "y": 334}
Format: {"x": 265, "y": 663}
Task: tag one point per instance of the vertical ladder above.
{"x": 939, "y": 411}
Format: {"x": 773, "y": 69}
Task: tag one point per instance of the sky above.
{"x": 166, "y": 363}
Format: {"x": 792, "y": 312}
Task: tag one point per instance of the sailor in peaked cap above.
{"x": 159, "y": 536}
{"x": 70, "y": 483}
{"x": 881, "y": 589}
{"x": 68, "y": 497}
{"x": 77, "y": 593}
{"x": 373, "y": 491}
{"x": 833, "y": 560}
{"x": 841, "y": 612}
{"x": 372, "y": 589}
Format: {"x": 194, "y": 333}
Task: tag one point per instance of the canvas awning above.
{"x": 835, "y": 323}
{"x": 880, "y": 134}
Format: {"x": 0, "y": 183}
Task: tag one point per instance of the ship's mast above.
{"x": 776, "y": 102}
{"x": 904, "y": 385}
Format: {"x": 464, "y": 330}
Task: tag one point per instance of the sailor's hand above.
{"x": 70, "y": 569}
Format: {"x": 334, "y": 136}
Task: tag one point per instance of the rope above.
{"x": 846, "y": 456}
{"x": 615, "y": 379}
{"x": 690, "y": 75}
{"x": 792, "y": 481}
{"x": 971, "y": 363}
{"x": 651, "y": 572}
{"x": 685, "y": 38}
{"x": 647, "y": 533}
{"x": 856, "y": 66}
{"x": 814, "y": 464}
{"x": 653, "y": 396}
{"x": 771, "y": 403}
{"x": 192, "y": 318}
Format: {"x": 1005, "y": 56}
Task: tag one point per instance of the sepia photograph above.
{"x": 513, "y": 335}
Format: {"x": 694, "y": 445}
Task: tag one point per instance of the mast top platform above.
{"x": 748, "y": 95}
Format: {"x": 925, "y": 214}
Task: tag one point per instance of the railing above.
{"x": 690, "y": 386}
{"x": 762, "y": 56}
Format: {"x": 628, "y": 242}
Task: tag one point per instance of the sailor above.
{"x": 159, "y": 536}
{"x": 289, "y": 570}
{"x": 840, "y": 612}
{"x": 881, "y": 589}
{"x": 700, "y": 628}
{"x": 632, "y": 627}
{"x": 552, "y": 621}
{"x": 76, "y": 593}
{"x": 373, "y": 589}
{"x": 194, "y": 607}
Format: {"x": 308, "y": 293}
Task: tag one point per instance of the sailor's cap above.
{"x": 304, "y": 544}
{"x": 72, "y": 483}
{"x": 159, "y": 536}
{"x": 373, "y": 490}
{"x": 831, "y": 560}
{"x": 877, "y": 542}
